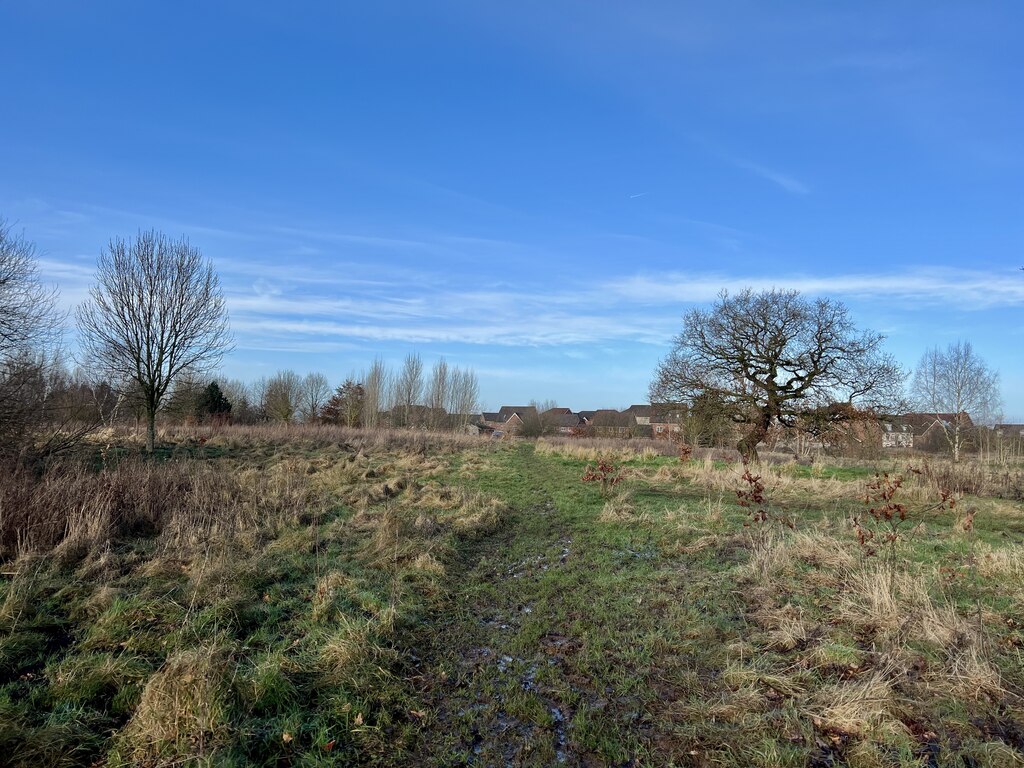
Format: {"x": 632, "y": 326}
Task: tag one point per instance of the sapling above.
{"x": 605, "y": 473}
{"x": 761, "y": 517}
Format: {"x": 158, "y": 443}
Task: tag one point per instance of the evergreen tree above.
{"x": 213, "y": 404}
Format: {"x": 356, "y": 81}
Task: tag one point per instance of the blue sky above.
{"x": 539, "y": 194}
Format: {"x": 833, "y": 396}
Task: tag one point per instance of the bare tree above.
{"x": 27, "y": 319}
{"x": 465, "y": 396}
{"x": 245, "y": 402}
{"x": 156, "y": 311}
{"x": 951, "y": 383}
{"x": 43, "y": 410}
{"x": 283, "y": 395}
{"x": 772, "y": 357}
{"x": 409, "y": 387}
{"x": 438, "y": 394}
{"x": 376, "y": 383}
{"x": 258, "y": 389}
{"x": 28, "y": 316}
{"x": 315, "y": 392}
{"x": 182, "y": 400}
{"x": 346, "y": 404}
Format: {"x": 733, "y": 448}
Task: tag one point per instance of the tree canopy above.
{"x": 213, "y": 403}
{"x": 775, "y": 357}
{"x": 155, "y": 313}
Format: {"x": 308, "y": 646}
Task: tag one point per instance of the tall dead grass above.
{"x": 73, "y": 509}
{"x": 594, "y": 448}
{"x": 779, "y": 479}
{"x": 320, "y": 436}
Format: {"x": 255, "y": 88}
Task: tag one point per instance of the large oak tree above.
{"x": 775, "y": 357}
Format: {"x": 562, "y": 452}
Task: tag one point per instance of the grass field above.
{"x": 338, "y": 599}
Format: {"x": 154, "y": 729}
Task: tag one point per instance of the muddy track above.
{"x": 494, "y": 655}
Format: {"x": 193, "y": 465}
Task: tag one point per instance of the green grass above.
{"x": 490, "y": 608}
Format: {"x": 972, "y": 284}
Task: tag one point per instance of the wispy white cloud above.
{"x": 933, "y": 286}
{"x": 332, "y": 306}
{"x": 531, "y": 328}
{"x": 783, "y": 180}
{"x": 64, "y": 270}
{"x": 638, "y": 308}
{"x": 375, "y": 241}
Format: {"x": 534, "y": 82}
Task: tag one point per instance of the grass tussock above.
{"x": 864, "y": 708}
{"x": 183, "y": 712}
{"x": 617, "y": 509}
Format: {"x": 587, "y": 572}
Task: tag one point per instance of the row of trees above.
{"x": 774, "y": 360}
{"x": 444, "y": 398}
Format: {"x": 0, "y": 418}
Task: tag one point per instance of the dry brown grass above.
{"x": 894, "y": 606}
{"x": 428, "y": 564}
{"x": 782, "y": 485}
{"x": 865, "y": 707}
{"x": 595, "y": 448}
{"x": 316, "y": 437}
{"x": 621, "y": 509}
{"x": 1001, "y": 565}
{"x": 970, "y": 676}
{"x": 182, "y": 715}
{"x": 786, "y": 628}
{"x": 72, "y": 511}
{"x": 409, "y": 519}
{"x": 348, "y": 644}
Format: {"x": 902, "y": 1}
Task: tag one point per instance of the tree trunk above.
{"x": 748, "y": 445}
{"x": 150, "y": 430}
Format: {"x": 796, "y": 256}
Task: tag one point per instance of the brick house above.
{"x": 641, "y": 414}
{"x": 561, "y": 421}
{"x": 667, "y": 420}
{"x": 508, "y": 419}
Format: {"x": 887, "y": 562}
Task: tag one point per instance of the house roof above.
{"x": 557, "y": 411}
{"x": 507, "y": 411}
{"x": 1018, "y": 428}
{"x": 668, "y": 413}
{"x": 565, "y": 419}
{"x": 922, "y": 422}
{"x": 588, "y": 415}
{"x": 640, "y": 410}
{"x": 611, "y": 418}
